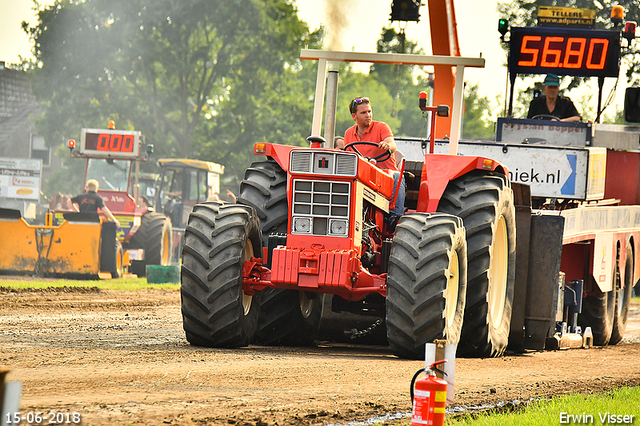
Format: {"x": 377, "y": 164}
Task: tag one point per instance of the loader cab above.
{"x": 147, "y": 187}
{"x": 172, "y": 191}
{"x": 183, "y": 184}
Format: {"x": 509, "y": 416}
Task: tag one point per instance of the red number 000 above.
{"x": 115, "y": 143}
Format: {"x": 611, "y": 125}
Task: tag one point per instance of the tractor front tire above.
{"x": 484, "y": 201}
{"x": 426, "y": 285}
{"x": 154, "y": 237}
{"x": 218, "y": 239}
{"x": 287, "y": 317}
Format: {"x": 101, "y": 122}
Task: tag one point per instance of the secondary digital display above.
{"x": 564, "y": 51}
{"x": 113, "y": 142}
{"x": 110, "y": 143}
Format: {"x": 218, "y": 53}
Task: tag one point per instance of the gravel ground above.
{"x": 120, "y": 357}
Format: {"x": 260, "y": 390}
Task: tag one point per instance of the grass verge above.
{"x": 126, "y": 283}
{"x": 598, "y": 409}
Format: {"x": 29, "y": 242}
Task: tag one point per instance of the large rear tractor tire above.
{"x": 287, "y": 317}
{"x": 624, "y": 297}
{"x": 215, "y": 310}
{"x": 426, "y": 285}
{"x": 265, "y": 189}
{"x": 484, "y": 201}
{"x": 154, "y": 236}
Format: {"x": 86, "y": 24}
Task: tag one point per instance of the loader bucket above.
{"x": 70, "y": 249}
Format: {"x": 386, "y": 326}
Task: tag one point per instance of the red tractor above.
{"x": 112, "y": 159}
{"x": 311, "y": 221}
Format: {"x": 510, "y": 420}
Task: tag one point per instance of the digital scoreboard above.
{"x": 564, "y": 51}
{"x": 105, "y": 143}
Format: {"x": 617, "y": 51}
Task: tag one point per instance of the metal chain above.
{"x": 355, "y": 333}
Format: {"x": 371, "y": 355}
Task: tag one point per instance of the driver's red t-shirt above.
{"x": 377, "y": 132}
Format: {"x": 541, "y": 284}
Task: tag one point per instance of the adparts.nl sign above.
{"x": 551, "y": 171}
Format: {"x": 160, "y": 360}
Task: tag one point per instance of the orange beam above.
{"x": 444, "y": 41}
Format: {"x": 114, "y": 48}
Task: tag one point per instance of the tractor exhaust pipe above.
{"x": 331, "y": 107}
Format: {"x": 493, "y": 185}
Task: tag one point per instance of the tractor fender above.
{"x": 439, "y": 170}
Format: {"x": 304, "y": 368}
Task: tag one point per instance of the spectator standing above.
{"x": 91, "y": 202}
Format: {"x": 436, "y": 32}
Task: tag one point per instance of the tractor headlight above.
{"x": 302, "y": 225}
{"x": 338, "y": 227}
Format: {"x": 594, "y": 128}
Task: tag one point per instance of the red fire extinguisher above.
{"x": 429, "y": 397}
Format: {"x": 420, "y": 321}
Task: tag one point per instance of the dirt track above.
{"x": 121, "y": 358}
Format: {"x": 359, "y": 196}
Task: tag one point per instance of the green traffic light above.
{"x": 503, "y": 26}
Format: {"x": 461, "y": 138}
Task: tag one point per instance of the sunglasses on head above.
{"x": 356, "y": 102}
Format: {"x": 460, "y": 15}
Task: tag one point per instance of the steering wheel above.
{"x": 545, "y": 117}
{"x": 382, "y": 157}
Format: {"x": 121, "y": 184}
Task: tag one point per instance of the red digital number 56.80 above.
{"x": 114, "y": 142}
{"x": 558, "y": 52}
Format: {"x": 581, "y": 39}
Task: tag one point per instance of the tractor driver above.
{"x": 90, "y": 202}
{"x": 551, "y": 104}
{"x": 366, "y": 129}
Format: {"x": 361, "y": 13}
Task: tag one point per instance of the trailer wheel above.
{"x": 484, "y": 201}
{"x": 427, "y": 282}
{"x": 154, "y": 236}
{"x": 598, "y": 312}
{"x": 286, "y": 316}
{"x": 624, "y": 297}
{"x": 218, "y": 239}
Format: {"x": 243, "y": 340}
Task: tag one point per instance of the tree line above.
{"x": 207, "y": 79}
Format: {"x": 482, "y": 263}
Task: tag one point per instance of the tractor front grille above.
{"x": 320, "y": 208}
{"x": 324, "y": 163}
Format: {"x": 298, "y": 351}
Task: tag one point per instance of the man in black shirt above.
{"x": 552, "y": 104}
{"x": 90, "y": 202}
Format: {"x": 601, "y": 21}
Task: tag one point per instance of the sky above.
{"x": 13, "y": 40}
{"x": 354, "y": 26}
{"x": 477, "y": 32}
